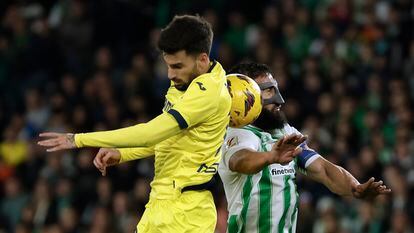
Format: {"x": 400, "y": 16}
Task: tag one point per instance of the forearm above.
{"x": 339, "y": 180}
{"x": 141, "y": 135}
{"x": 248, "y": 162}
{"x": 129, "y": 154}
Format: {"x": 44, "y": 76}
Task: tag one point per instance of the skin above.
{"x": 334, "y": 177}
{"x": 182, "y": 69}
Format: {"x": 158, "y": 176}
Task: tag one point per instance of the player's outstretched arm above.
{"x": 247, "y": 161}
{"x": 341, "y": 182}
{"x": 141, "y": 135}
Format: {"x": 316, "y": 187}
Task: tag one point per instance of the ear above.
{"x": 203, "y": 59}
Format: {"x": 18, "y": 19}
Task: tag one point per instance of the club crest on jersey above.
{"x": 167, "y": 106}
{"x": 232, "y": 142}
{"x": 248, "y": 102}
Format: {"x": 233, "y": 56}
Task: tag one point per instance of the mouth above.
{"x": 177, "y": 83}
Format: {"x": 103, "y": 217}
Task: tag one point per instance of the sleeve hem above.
{"x": 311, "y": 160}
{"x": 179, "y": 118}
{"x": 78, "y": 143}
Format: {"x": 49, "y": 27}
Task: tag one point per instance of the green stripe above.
{"x": 292, "y": 218}
{"x": 247, "y": 189}
{"x": 253, "y": 130}
{"x": 233, "y": 227}
{"x": 286, "y": 197}
{"x": 265, "y": 192}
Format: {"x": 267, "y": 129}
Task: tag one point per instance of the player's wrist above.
{"x": 117, "y": 156}
{"x": 70, "y": 137}
{"x": 269, "y": 158}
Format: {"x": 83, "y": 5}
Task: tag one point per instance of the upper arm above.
{"x": 197, "y": 104}
{"x": 306, "y": 157}
{"x": 237, "y": 140}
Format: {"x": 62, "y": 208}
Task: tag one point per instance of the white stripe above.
{"x": 309, "y": 161}
{"x": 277, "y": 201}
{"x": 292, "y": 205}
{"x": 253, "y": 212}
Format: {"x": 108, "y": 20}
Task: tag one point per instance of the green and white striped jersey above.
{"x": 266, "y": 201}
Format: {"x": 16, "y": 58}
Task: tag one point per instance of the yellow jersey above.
{"x": 189, "y": 156}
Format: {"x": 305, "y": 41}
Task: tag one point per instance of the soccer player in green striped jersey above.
{"x": 258, "y": 169}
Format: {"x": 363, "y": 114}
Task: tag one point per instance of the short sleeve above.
{"x": 236, "y": 140}
{"x": 197, "y": 104}
{"x": 308, "y": 155}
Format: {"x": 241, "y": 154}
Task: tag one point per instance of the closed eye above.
{"x": 176, "y": 66}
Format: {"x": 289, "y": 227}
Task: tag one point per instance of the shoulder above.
{"x": 240, "y": 132}
{"x": 239, "y": 136}
{"x": 290, "y": 130}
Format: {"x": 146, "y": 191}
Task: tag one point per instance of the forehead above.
{"x": 264, "y": 78}
{"x": 178, "y": 57}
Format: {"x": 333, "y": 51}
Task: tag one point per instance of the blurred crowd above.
{"x": 345, "y": 68}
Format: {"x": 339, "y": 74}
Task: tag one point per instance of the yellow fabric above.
{"x": 128, "y": 154}
{"x": 14, "y": 153}
{"x": 141, "y": 135}
{"x": 192, "y": 156}
{"x": 191, "y": 212}
{"x": 183, "y": 157}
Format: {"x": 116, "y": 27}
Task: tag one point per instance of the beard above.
{"x": 269, "y": 120}
{"x": 183, "y": 86}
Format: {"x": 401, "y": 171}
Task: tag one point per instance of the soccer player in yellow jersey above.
{"x": 185, "y": 139}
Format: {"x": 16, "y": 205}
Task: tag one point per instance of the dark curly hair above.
{"x": 251, "y": 69}
{"x": 186, "y": 32}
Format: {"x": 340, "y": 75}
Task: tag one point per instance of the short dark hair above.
{"x": 251, "y": 69}
{"x": 186, "y": 32}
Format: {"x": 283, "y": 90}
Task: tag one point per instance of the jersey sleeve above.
{"x": 307, "y": 156}
{"x": 197, "y": 104}
{"x": 140, "y": 135}
{"x": 129, "y": 154}
{"x": 236, "y": 140}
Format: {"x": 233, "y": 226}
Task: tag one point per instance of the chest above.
{"x": 277, "y": 173}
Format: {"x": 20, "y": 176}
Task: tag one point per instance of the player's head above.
{"x": 271, "y": 116}
{"x": 186, "y": 44}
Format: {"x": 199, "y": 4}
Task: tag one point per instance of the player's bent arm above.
{"x": 141, "y": 135}
{"x": 129, "y": 154}
{"x": 334, "y": 177}
{"x": 247, "y": 161}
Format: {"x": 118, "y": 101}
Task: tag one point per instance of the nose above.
{"x": 171, "y": 74}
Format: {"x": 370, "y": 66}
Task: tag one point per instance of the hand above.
{"x": 105, "y": 158}
{"x": 370, "y": 189}
{"x": 286, "y": 149}
{"x": 57, "y": 141}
